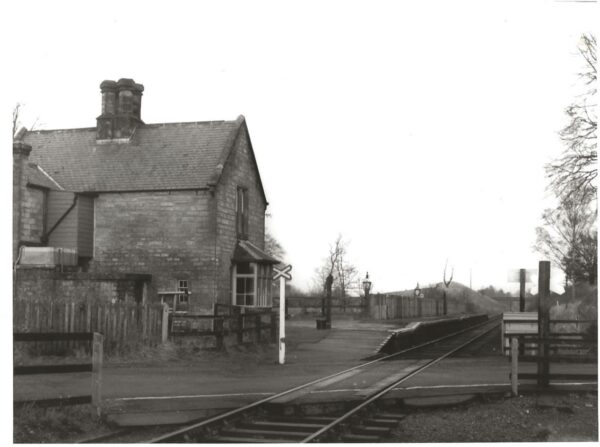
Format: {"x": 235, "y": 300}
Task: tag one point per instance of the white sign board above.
{"x": 515, "y": 275}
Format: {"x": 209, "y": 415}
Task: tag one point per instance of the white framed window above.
{"x": 182, "y": 286}
{"x": 244, "y": 284}
{"x": 251, "y": 284}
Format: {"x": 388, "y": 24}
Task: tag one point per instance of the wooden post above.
{"x": 257, "y": 326}
{"x": 165, "y": 322}
{"x": 218, "y": 330}
{"x": 240, "y": 328}
{"x": 282, "y": 318}
{"x": 544, "y": 323}
{"x": 273, "y": 327}
{"x": 445, "y": 304}
{"x": 514, "y": 366}
{"x": 97, "y": 354}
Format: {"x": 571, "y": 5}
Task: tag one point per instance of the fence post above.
{"x": 97, "y": 354}
{"x": 240, "y": 328}
{"x": 514, "y": 365}
{"x": 258, "y": 327}
{"x": 165, "y": 323}
{"x": 273, "y": 327}
{"x": 218, "y": 329}
{"x": 543, "y": 323}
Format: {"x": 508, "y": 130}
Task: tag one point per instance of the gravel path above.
{"x": 555, "y": 417}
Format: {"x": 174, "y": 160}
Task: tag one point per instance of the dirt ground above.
{"x": 554, "y": 417}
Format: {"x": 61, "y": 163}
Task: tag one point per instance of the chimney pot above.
{"x": 121, "y": 108}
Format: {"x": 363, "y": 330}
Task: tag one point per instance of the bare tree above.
{"x": 273, "y": 247}
{"x": 447, "y": 283}
{"x": 569, "y": 239}
{"x": 17, "y": 125}
{"x": 336, "y": 264}
{"x": 575, "y": 171}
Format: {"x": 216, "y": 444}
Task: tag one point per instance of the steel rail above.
{"x": 389, "y": 388}
{"x": 191, "y": 428}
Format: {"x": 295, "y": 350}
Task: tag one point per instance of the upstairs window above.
{"x": 182, "y": 286}
{"x": 242, "y": 213}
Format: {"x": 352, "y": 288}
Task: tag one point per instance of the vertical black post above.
{"x": 445, "y": 304}
{"x": 240, "y": 328}
{"x": 544, "y": 323}
{"x": 258, "y": 327}
{"x": 273, "y": 327}
{"x": 522, "y": 279}
{"x": 328, "y": 286}
{"x": 219, "y": 329}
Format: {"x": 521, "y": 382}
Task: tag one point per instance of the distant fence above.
{"x": 389, "y": 307}
{"x": 312, "y": 305}
{"x": 122, "y": 324}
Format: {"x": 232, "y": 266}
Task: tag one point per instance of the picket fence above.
{"x": 123, "y": 325}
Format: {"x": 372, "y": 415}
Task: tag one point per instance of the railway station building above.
{"x": 178, "y": 208}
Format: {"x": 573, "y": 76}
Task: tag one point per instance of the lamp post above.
{"x": 418, "y": 296}
{"x": 366, "y": 284}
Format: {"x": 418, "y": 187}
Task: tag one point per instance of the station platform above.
{"x": 159, "y": 392}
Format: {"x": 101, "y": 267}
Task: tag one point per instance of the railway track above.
{"x": 363, "y": 421}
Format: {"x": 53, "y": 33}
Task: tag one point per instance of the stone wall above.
{"x": 240, "y": 171}
{"x": 53, "y": 285}
{"x": 167, "y": 235}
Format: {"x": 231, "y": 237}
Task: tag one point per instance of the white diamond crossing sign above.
{"x": 282, "y": 272}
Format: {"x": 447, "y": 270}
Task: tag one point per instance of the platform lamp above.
{"x": 417, "y": 291}
{"x": 366, "y": 284}
{"x": 419, "y": 302}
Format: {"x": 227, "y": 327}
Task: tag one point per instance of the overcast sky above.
{"x": 417, "y": 130}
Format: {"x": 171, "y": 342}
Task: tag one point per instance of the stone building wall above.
{"x": 45, "y": 284}
{"x": 239, "y": 171}
{"x": 167, "y": 235}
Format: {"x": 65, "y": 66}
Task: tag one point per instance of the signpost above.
{"x": 521, "y": 276}
{"x": 282, "y": 274}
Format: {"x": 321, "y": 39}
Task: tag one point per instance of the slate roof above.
{"x": 168, "y": 156}
{"x": 37, "y": 177}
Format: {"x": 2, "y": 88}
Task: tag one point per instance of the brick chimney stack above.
{"x": 21, "y": 153}
{"x": 121, "y": 109}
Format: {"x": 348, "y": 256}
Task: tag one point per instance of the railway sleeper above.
{"x": 382, "y": 422}
{"x": 263, "y": 434}
{"x": 370, "y": 430}
{"x": 244, "y": 440}
{"x": 324, "y": 420}
{"x": 389, "y": 415}
{"x": 360, "y": 438}
{"x": 281, "y": 426}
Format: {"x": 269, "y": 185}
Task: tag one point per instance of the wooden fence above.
{"x": 122, "y": 324}
{"x": 95, "y": 367}
{"x": 389, "y": 307}
{"x": 557, "y": 347}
